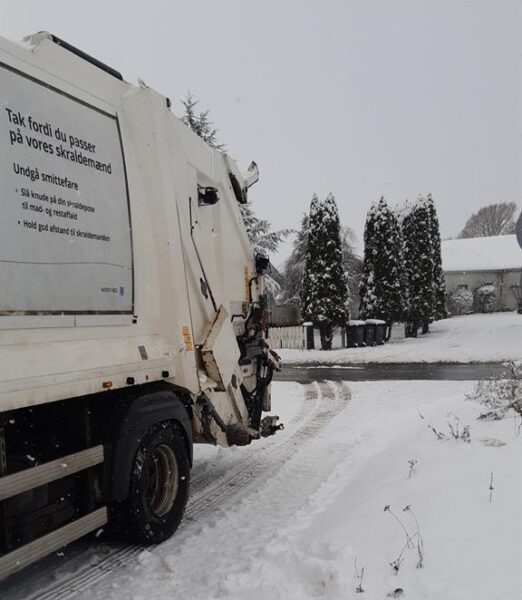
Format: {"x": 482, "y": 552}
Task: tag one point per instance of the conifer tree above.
{"x": 200, "y": 122}
{"x": 418, "y": 255}
{"x": 259, "y": 231}
{"x": 313, "y": 218}
{"x": 296, "y": 263}
{"x": 382, "y": 293}
{"x": 325, "y": 297}
{"x": 439, "y": 281}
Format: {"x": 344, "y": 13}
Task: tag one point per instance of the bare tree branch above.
{"x": 495, "y": 219}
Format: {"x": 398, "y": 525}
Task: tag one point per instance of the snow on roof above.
{"x": 481, "y": 254}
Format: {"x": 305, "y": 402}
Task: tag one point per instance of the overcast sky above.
{"x": 361, "y": 98}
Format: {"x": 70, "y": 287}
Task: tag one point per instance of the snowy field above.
{"x": 286, "y": 518}
{"x": 470, "y": 338}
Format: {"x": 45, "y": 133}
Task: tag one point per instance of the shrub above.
{"x": 500, "y": 393}
{"x": 460, "y": 301}
{"x": 486, "y": 298}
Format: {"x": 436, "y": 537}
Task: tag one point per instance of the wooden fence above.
{"x": 288, "y": 337}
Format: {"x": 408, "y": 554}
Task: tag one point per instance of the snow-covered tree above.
{"x": 324, "y": 295}
{"x": 418, "y": 256}
{"x": 382, "y": 292}
{"x": 260, "y": 234}
{"x": 439, "y": 281}
{"x": 295, "y": 264}
{"x": 200, "y": 122}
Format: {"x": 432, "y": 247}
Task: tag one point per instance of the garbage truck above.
{"x": 133, "y": 313}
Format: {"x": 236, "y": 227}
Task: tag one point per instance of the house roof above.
{"x": 494, "y": 253}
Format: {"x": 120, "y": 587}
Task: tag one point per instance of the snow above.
{"x": 316, "y": 502}
{"x": 473, "y": 547}
{"x": 481, "y": 254}
{"x": 468, "y": 338}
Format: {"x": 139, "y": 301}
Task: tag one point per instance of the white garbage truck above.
{"x": 133, "y": 319}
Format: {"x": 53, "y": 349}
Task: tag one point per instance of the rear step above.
{"x": 24, "y": 556}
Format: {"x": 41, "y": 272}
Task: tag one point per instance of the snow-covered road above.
{"x": 286, "y": 517}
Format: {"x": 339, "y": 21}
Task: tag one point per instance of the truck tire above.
{"x": 159, "y": 486}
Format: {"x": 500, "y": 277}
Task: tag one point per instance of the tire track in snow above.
{"x": 213, "y": 472}
{"x": 238, "y": 530}
{"x": 260, "y": 467}
{"x": 323, "y": 401}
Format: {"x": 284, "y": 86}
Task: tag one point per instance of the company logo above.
{"x": 114, "y": 290}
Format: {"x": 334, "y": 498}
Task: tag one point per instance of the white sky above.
{"x": 357, "y": 97}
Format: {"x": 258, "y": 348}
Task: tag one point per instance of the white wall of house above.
{"x": 503, "y": 280}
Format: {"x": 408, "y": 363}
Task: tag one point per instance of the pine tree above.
{"x": 311, "y": 250}
{"x": 325, "y": 298}
{"x": 295, "y": 265}
{"x": 382, "y": 293}
{"x": 200, "y": 123}
{"x": 439, "y": 281}
{"x": 418, "y": 255}
{"x": 259, "y": 231}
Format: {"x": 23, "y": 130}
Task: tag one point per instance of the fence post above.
{"x": 309, "y": 334}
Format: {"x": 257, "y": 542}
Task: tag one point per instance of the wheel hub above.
{"x": 161, "y": 480}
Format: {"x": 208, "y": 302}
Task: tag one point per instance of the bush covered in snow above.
{"x": 501, "y": 393}
{"x": 460, "y": 301}
{"x": 486, "y": 298}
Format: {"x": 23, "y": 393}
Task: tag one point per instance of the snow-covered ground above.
{"x": 469, "y": 338}
{"x": 286, "y": 518}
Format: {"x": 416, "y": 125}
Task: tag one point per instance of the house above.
{"x": 473, "y": 262}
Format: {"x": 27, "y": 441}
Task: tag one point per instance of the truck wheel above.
{"x": 159, "y": 486}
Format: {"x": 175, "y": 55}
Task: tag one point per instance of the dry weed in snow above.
{"x": 420, "y": 542}
{"x": 359, "y": 576}
{"x": 457, "y": 429}
{"x": 412, "y": 462}
{"x": 410, "y": 539}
